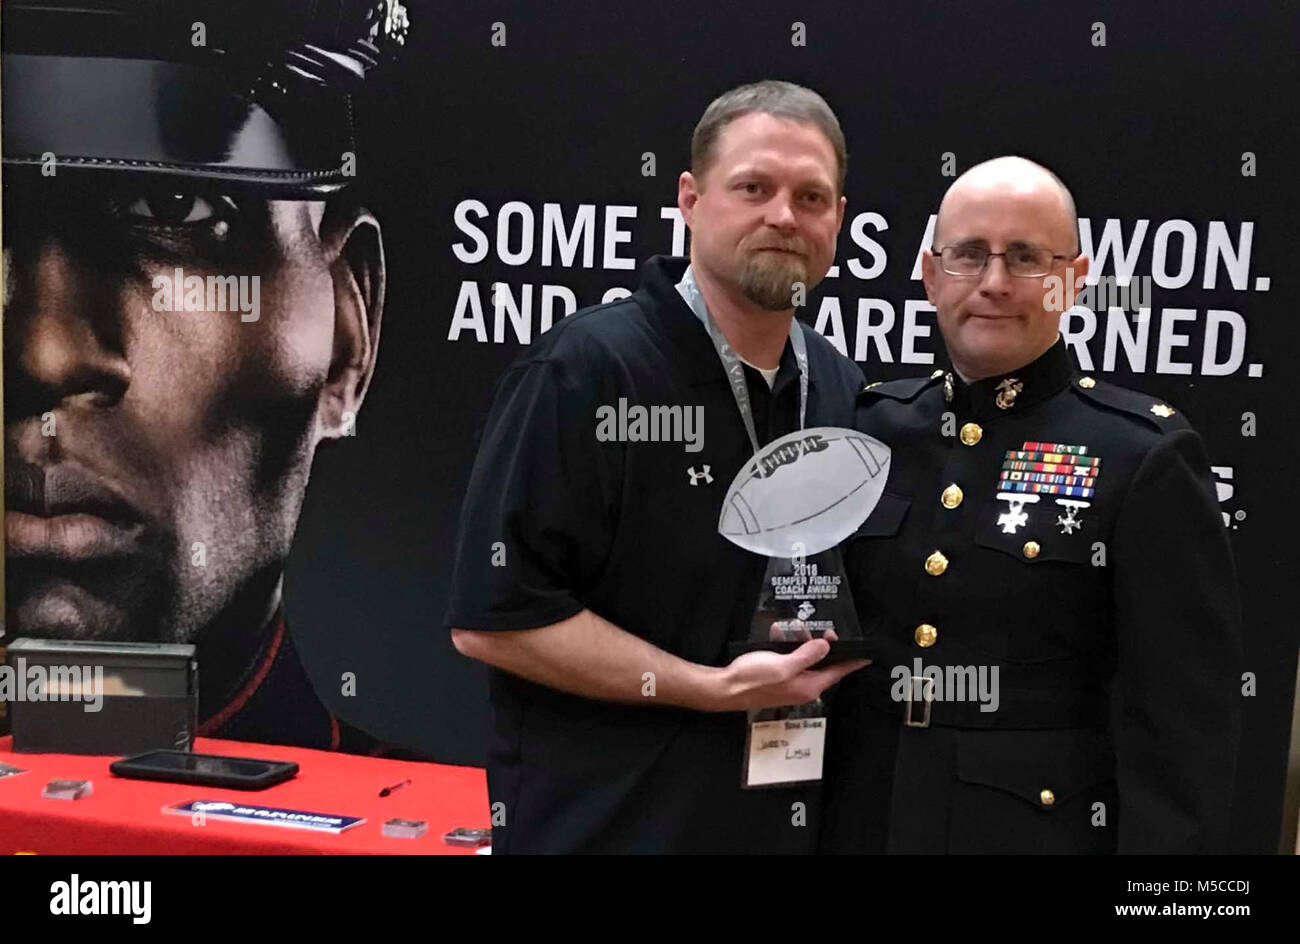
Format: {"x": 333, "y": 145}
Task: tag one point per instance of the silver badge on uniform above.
{"x": 1015, "y": 516}
{"x": 1071, "y": 520}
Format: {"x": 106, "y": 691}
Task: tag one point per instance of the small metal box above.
{"x": 147, "y": 696}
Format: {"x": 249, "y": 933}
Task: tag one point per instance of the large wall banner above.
{"x": 265, "y": 389}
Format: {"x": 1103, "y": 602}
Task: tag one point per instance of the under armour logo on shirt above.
{"x": 696, "y": 476}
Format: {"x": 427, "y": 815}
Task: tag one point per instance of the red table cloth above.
{"x": 125, "y": 816}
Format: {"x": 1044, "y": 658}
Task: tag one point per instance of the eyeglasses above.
{"x": 1023, "y": 262}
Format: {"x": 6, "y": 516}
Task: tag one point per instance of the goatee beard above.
{"x": 768, "y": 280}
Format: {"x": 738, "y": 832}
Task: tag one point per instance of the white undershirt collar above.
{"x": 769, "y": 373}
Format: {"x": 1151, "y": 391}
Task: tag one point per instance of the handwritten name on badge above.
{"x": 789, "y": 751}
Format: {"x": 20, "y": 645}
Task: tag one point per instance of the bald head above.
{"x": 1021, "y": 180}
{"x": 1018, "y": 219}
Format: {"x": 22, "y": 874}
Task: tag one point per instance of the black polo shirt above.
{"x": 629, "y": 531}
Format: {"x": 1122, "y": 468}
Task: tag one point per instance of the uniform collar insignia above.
{"x": 1007, "y": 391}
{"x": 1020, "y": 389}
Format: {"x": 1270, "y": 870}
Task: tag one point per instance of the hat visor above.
{"x": 152, "y": 121}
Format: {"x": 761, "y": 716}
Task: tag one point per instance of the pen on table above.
{"x": 397, "y": 786}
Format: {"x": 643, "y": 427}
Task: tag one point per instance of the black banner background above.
{"x": 1153, "y": 125}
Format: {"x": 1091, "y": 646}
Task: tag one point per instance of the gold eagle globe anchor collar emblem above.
{"x": 1007, "y": 391}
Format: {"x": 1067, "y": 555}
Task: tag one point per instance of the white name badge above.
{"x": 781, "y": 752}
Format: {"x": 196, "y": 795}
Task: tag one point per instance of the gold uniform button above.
{"x": 936, "y": 564}
{"x": 952, "y": 496}
{"x": 925, "y": 635}
{"x": 1047, "y": 797}
{"x": 1087, "y": 383}
{"x": 971, "y": 433}
{"x": 1031, "y": 549}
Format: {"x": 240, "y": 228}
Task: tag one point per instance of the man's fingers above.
{"x": 833, "y": 673}
{"x": 790, "y": 632}
{"x": 809, "y": 685}
{"x": 807, "y": 655}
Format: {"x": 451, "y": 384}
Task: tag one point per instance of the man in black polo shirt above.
{"x": 590, "y": 573}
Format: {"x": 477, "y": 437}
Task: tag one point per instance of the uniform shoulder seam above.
{"x": 1153, "y": 412}
{"x": 906, "y": 388}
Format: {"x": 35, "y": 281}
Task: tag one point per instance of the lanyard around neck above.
{"x": 731, "y": 363}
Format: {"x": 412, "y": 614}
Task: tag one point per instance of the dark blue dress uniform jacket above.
{"x": 1114, "y": 629}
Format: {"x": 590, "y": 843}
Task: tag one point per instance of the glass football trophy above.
{"x": 794, "y": 502}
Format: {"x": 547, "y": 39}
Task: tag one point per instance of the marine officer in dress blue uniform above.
{"x": 1046, "y": 585}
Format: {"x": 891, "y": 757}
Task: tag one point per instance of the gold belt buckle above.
{"x": 927, "y": 697}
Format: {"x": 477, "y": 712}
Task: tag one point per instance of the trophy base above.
{"x": 841, "y": 649}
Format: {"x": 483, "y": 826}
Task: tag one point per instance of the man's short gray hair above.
{"x": 771, "y": 97}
